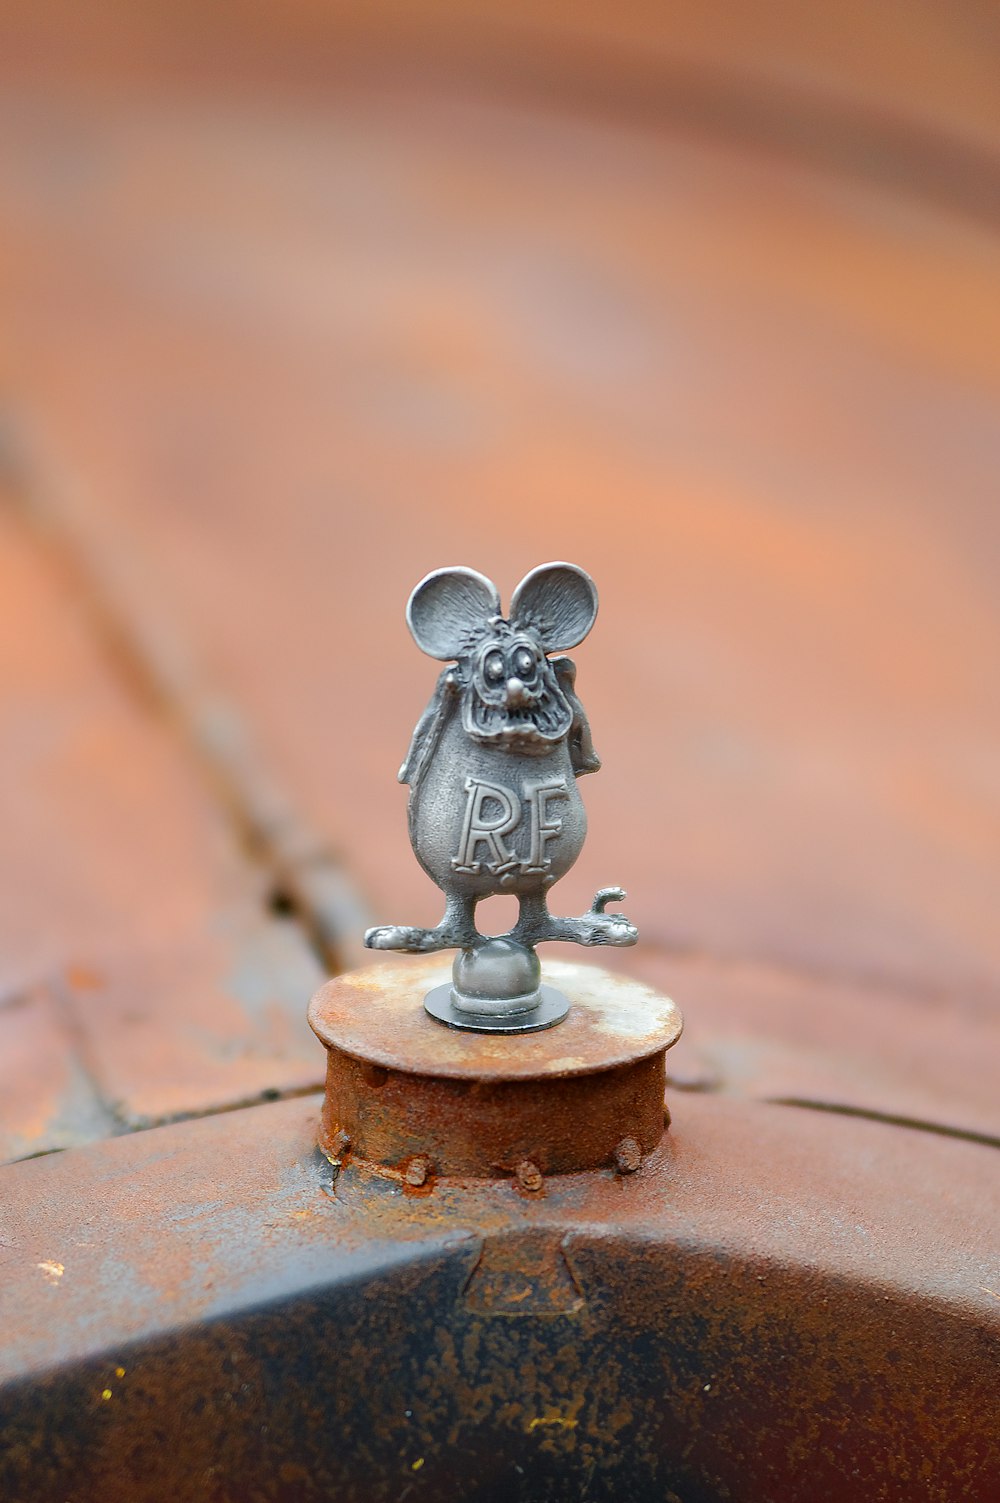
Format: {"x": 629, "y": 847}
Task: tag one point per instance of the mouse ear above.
{"x": 558, "y": 602}
{"x": 449, "y": 609}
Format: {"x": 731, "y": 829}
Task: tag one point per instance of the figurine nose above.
{"x": 517, "y": 694}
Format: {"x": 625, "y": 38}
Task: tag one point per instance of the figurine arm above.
{"x": 429, "y": 727}
{"x": 581, "y": 745}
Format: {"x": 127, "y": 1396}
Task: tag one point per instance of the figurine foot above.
{"x": 413, "y": 941}
{"x": 592, "y": 928}
{"x": 595, "y": 929}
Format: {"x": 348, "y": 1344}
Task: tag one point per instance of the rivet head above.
{"x": 417, "y": 1171}
{"x": 628, "y": 1156}
{"x": 529, "y": 1176}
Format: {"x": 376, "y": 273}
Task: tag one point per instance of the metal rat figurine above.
{"x": 492, "y": 771}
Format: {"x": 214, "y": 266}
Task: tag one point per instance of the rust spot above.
{"x": 529, "y": 1176}
{"x": 628, "y": 1156}
{"x": 417, "y": 1171}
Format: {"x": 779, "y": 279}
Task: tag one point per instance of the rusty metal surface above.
{"x": 704, "y": 1328}
{"x": 795, "y": 735}
{"x": 528, "y": 1129}
{"x": 410, "y": 1095}
{"x": 272, "y": 335}
{"x": 376, "y": 1015}
{"x": 906, "y": 101}
{"x": 767, "y": 1033}
{"x": 818, "y": 741}
{"x": 142, "y": 976}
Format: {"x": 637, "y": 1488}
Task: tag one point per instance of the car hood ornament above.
{"x": 494, "y": 807}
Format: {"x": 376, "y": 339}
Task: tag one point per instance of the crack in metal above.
{"x": 891, "y": 1119}
{"x": 307, "y": 878}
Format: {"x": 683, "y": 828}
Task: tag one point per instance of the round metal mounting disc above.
{"x": 549, "y": 1010}
{"x": 478, "y": 1102}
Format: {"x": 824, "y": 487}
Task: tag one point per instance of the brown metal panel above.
{"x": 772, "y": 1034}
{"x": 49, "y": 1100}
{"x": 142, "y": 978}
{"x": 417, "y": 328}
{"x": 206, "y": 1308}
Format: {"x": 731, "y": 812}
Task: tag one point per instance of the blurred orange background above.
{"x": 300, "y": 302}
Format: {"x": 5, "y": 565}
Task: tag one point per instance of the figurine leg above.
{"x": 457, "y": 930}
{"x": 535, "y": 923}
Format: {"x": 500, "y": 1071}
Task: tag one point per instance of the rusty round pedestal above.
{"x": 412, "y": 1096}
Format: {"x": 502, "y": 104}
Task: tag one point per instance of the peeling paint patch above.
{"x": 556, "y": 1421}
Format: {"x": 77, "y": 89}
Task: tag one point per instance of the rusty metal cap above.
{"x": 401, "y": 1086}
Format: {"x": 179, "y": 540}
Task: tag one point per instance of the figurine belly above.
{"x": 485, "y": 820}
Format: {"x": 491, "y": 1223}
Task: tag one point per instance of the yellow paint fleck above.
{"x": 52, "y": 1271}
{"x": 415, "y": 1467}
{"x": 119, "y": 1372}
{"x": 559, "y": 1421}
{"x": 106, "y": 1394}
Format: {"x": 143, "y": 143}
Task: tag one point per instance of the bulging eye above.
{"x": 524, "y": 662}
{"x": 493, "y": 669}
